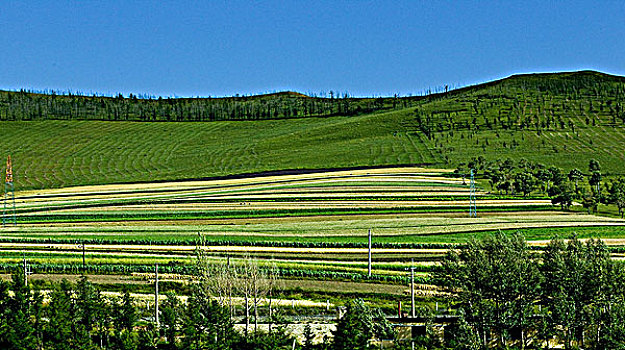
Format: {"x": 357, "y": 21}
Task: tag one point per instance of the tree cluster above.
{"x": 525, "y": 177}
{"x": 25, "y": 105}
{"x": 509, "y": 295}
{"x": 80, "y": 316}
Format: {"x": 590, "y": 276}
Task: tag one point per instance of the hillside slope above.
{"x": 57, "y": 153}
{"x": 562, "y": 119}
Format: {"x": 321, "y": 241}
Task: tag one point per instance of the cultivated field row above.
{"x": 401, "y": 190}
{"x": 309, "y": 225}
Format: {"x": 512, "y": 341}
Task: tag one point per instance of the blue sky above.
{"x": 217, "y": 48}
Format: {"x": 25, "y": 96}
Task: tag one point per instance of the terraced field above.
{"x": 309, "y": 225}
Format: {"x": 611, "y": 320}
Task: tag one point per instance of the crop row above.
{"x": 75, "y": 257}
{"x": 328, "y": 201}
{"x": 190, "y": 270}
{"x": 286, "y": 244}
{"x": 263, "y": 213}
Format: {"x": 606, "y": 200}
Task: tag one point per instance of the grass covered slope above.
{"x": 562, "y": 119}
{"x": 61, "y": 153}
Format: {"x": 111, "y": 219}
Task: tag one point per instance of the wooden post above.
{"x": 25, "y": 272}
{"x": 84, "y": 265}
{"x": 156, "y": 296}
{"x": 412, "y": 289}
{"x": 369, "y": 252}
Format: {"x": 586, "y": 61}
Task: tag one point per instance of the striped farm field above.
{"x": 308, "y": 225}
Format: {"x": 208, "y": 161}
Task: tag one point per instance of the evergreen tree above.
{"x": 358, "y": 326}
{"x": 66, "y": 329}
{"x": 207, "y": 324}
{"x": 617, "y": 195}
{"x": 147, "y": 338}
{"x": 17, "y": 329}
{"x": 125, "y": 314}
{"x": 170, "y": 316}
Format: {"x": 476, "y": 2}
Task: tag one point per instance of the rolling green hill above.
{"x": 561, "y": 119}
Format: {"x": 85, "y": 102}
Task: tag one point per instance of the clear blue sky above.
{"x": 201, "y": 48}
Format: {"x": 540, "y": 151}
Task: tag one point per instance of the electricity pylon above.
{"x": 472, "y": 204}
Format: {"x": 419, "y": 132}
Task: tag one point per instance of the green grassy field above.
{"x": 556, "y": 119}
{"x": 561, "y": 119}
{"x": 54, "y": 153}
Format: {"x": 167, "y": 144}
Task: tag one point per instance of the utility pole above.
{"x": 27, "y": 271}
{"x": 156, "y": 296}
{"x": 370, "y": 252}
{"x": 412, "y": 306}
{"x": 412, "y": 303}
{"x": 25, "y": 274}
{"x": 84, "y": 265}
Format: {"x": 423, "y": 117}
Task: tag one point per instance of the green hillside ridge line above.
{"x": 288, "y": 93}
{"x": 557, "y": 119}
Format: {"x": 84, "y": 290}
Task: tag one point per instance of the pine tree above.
{"x": 359, "y": 325}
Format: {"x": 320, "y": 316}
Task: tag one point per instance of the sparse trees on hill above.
{"x": 525, "y": 177}
{"x": 576, "y": 176}
{"x": 30, "y": 106}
